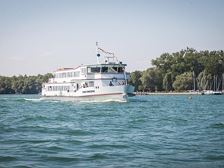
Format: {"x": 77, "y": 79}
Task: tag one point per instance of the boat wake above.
{"x": 41, "y": 100}
{"x": 103, "y": 101}
{"x": 34, "y": 100}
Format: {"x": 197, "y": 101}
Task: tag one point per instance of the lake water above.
{"x": 147, "y": 131}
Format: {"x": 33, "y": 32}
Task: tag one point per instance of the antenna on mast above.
{"x": 97, "y": 53}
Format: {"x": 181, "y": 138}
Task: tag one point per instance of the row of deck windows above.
{"x": 67, "y": 74}
{"x": 58, "y": 88}
{"x": 90, "y": 70}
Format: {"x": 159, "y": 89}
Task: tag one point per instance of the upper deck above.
{"x": 88, "y": 72}
{"x": 109, "y": 68}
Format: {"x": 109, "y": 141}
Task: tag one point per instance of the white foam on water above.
{"x": 102, "y": 101}
{"x": 34, "y": 100}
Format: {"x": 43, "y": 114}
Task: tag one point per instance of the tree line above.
{"x": 23, "y": 84}
{"x": 180, "y": 71}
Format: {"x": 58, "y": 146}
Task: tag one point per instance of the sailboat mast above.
{"x": 194, "y": 80}
{"x": 223, "y": 82}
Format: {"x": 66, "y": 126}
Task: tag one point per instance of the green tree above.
{"x": 135, "y": 80}
{"x": 183, "y": 82}
{"x": 152, "y": 80}
{"x": 204, "y": 81}
{"x": 23, "y": 84}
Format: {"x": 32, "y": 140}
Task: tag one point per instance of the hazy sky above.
{"x": 39, "y": 36}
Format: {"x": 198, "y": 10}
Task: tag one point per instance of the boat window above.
{"x": 69, "y": 74}
{"x": 76, "y": 74}
{"x": 83, "y": 70}
{"x": 93, "y": 69}
{"x": 112, "y": 69}
{"x": 64, "y": 75}
{"x": 49, "y": 88}
{"x": 120, "y": 69}
{"x": 91, "y": 84}
{"x": 88, "y": 70}
{"x": 104, "y": 69}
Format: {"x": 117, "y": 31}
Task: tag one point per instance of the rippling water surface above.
{"x": 148, "y": 131}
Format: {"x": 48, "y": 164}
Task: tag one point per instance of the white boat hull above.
{"x": 92, "y": 98}
{"x": 211, "y": 92}
{"x": 108, "y": 93}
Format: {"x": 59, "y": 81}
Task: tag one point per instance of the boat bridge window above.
{"x": 104, "y": 69}
{"x": 120, "y": 69}
{"x": 112, "y": 69}
{"x": 93, "y": 69}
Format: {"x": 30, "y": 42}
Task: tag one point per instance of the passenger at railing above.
{"x": 85, "y": 85}
{"x": 111, "y": 84}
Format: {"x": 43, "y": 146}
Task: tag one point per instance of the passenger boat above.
{"x": 106, "y": 80}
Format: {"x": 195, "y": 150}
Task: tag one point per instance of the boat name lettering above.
{"x": 88, "y": 91}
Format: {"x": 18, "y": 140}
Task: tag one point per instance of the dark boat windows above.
{"x": 112, "y": 69}
{"x": 120, "y": 69}
{"x": 104, "y": 69}
{"x": 93, "y": 69}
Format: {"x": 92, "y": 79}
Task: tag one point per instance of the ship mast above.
{"x": 108, "y": 56}
{"x": 97, "y": 53}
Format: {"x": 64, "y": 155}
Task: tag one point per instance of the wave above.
{"x": 215, "y": 157}
{"x": 108, "y": 146}
{"x": 218, "y": 125}
{"x": 60, "y": 158}
{"x": 7, "y": 158}
{"x": 98, "y": 156}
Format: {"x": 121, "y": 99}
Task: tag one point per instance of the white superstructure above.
{"x": 101, "y": 81}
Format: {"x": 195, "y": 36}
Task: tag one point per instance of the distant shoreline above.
{"x": 136, "y": 93}
{"x": 167, "y": 93}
